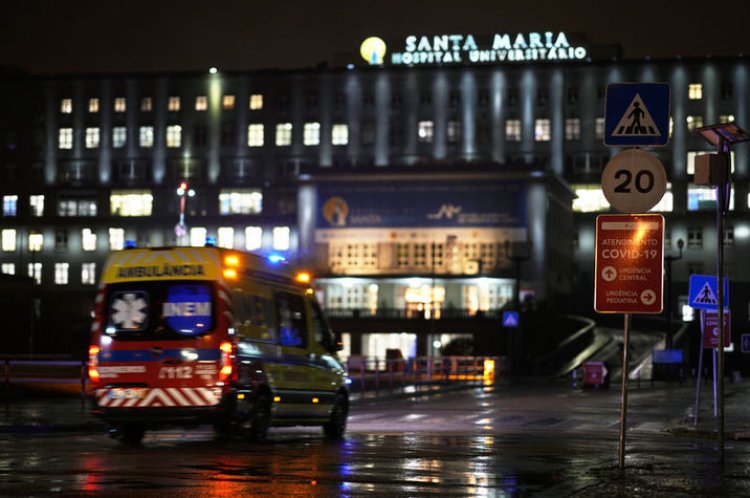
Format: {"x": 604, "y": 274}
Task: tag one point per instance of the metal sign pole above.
{"x": 624, "y": 390}
{"x": 721, "y": 208}
{"x": 699, "y": 377}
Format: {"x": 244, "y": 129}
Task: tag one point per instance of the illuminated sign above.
{"x": 187, "y": 308}
{"x": 468, "y": 49}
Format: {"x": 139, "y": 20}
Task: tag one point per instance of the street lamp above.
{"x": 183, "y": 191}
{"x": 669, "y": 260}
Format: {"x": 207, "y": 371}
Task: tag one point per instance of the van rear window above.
{"x": 160, "y": 310}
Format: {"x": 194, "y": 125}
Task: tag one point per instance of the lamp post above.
{"x": 669, "y": 260}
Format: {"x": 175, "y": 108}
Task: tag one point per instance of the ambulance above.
{"x": 204, "y": 335}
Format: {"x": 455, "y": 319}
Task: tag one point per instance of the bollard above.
{"x": 575, "y": 378}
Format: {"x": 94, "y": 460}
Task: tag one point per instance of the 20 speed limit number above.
{"x": 634, "y": 181}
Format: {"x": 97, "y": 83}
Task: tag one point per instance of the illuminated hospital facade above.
{"x": 429, "y": 183}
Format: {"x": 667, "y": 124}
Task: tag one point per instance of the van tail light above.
{"x": 227, "y": 371}
{"x": 94, "y": 363}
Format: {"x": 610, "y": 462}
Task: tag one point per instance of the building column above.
{"x": 159, "y": 153}
{"x": 528, "y": 92}
{"x": 51, "y": 133}
{"x": 440, "y": 90}
{"x": 382, "y": 118}
{"x": 557, "y": 121}
{"x": 468, "y": 115}
{"x": 498, "y": 90}
{"x": 105, "y": 133}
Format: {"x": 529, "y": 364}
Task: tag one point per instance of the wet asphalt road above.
{"x": 504, "y": 442}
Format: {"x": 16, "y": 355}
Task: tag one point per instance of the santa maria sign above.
{"x": 466, "y": 49}
{"x": 629, "y": 263}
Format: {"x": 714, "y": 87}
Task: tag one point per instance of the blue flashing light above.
{"x": 276, "y": 258}
{"x": 210, "y": 241}
{"x": 130, "y": 244}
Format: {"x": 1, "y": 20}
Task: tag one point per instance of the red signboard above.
{"x": 710, "y": 327}
{"x": 629, "y": 263}
{"x": 594, "y": 373}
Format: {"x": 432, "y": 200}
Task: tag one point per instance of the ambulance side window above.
{"x": 290, "y": 311}
{"x": 322, "y": 333}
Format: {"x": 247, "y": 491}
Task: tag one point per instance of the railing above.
{"x": 403, "y": 314}
{"x": 45, "y": 372}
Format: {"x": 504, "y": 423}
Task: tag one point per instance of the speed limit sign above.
{"x": 634, "y": 181}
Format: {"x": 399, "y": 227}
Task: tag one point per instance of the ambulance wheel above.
{"x": 260, "y": 418}
{"x": 336, "y": 425}
{"x": 131, "y": 433}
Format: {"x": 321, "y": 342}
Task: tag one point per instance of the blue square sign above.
{"x": 510, "y": 319}
{"x": 704, "y": 292}
{"x": 636, "y": 114}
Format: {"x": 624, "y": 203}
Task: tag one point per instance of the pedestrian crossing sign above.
{"x": 636, "y": 114}
{"x": 704, "y": 294}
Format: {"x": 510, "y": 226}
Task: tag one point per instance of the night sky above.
{"x": 85, "y": 36}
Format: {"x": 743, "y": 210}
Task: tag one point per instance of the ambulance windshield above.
{"x": 159, "y": 310}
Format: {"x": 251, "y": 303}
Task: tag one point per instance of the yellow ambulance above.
{"x": 195, "y": 335}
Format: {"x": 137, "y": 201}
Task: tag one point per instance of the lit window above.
{"x": 666, "y": 204}
{"x": 453, "y": 131}
{"x": 88, "y": 240}
{"x": 695, "y": 237}
{"x": 311, "y": 134}
{"x": 36, "y": 240}
{"x": 146, "y": 136}
{"x": 703, "y": 198}
{"x": 174, "y": 136}
{"x": 694, "y": 122}
{"x": 245, "y": 201}
{"x": 425, "y": 131}
{"x": 119, "y": 136}
{"x": 66, "y": 106}
{"x": 120, "y": 104}
{"x": 281, "y": 238}
{"x": 284, "y": 134}
{"x": 695, "y": 91}
{"x": 173, "y": 104}
{"x": 76, "y": 207}
{"x": 61, "y": 273}
{"x": 88, "y": 273}
{"x": 340, "y": 134}
{"x": 726, "y": 118}
{"x": 201, "y": 103}
{"x": 9, "y": 268}
{"x": 253, "y": 238}
{"x": 65, "y": 138}
{"x": 92, "y": 138}
{"x": 36, "y": 202}
{"x": 131, "y": 202}
{"x": 35, "y": 272}
{"x": 255, "y": 135}
{"x": 599, "y": 125}
{"x": 542, "y": 130}
{"x": 693, "y": 154}
{"x": 589, "y": 199}
{"x": 9, "y": 239}
{"x": 147, "y": 104}
{"x": 572, "y": 129}
{"x": 513, "y": 130}
{"x": 10, "y": 205}
{"x": 116, "y": 239}
{"x": 94, "y": 105}
{"x": 198, "y": 236}
{"x": 227, "y": 102}
{"x": 671, "y": 126}
{"x": 225, "y": 237}
{"x": 256, "y": 102}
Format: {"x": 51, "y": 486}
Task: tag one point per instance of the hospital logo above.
{"x": 335, "y": 211}
{"x": 373, "y": 50}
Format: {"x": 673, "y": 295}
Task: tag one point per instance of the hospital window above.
{"x": 131, "y": 203}
{"x": 65, "y": 138}
{"x": 88, "y": 240}
{"x": 92, "y": 138}
{"x": 9, "y": 268}
{"x": 9, "y": 239}
{"x": 572, "y": 129}
{"x": 256, "y": 102}
{"x": 542, "y": 130}
{"x": 146, "y": 136}
{"x": 353, "y": 256}
{"x": 513, "y": 130}
{"x": 36, "y": 240}
{"x": 281, "y": 238}
{"x": 227, "y": 102}
{"x": 695, "y": 237}
{"x": 61, "y": 273}
{"x": 116, "y": 239}
{"x": 703, "y": 198}
{"x": 36, "y": 203}
{"x": 76, "y": 207}
{"x": 453, "y": 131}
{"x": 173, "y": 104}
{"x": 694, "y": 122}
{"x": 311, "y": 134}
{"x": 226, "y": 237}
{"x": 589, "y": 199}
{"x": 425, "y": 130}
{"x": 198, "y": 236}
{"x": 66, "y": 106}
{"x": 340, "y": 134}
{"x": 255, "y": 135}
{"x": 119, "y": 136}
{"x": 253, "y": 238}
{"x": 695, "y": 91}
{"x": 35, "y": 272}
{"x": 201, "y": 103}
{"x": 147, "y": 104}
{"x": 240, "y": 201}
{"x": 61, "y": 240}
{"x": 10, "y": 205}
{"x": 120, "y": 104}
{"x": 93, "y": 105}
{"x": 599, "y": 126}
{"x": 174, "y": 136}
{"x": 88, "y": 273}
{"x": 283, "y": 134}
{"x": 726, "y": 118}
